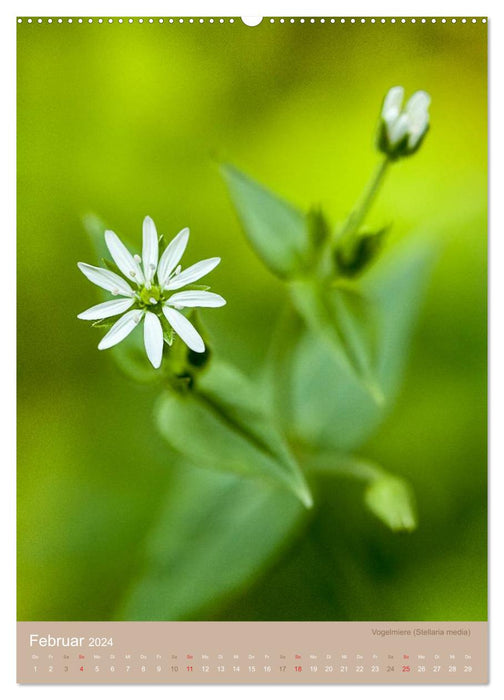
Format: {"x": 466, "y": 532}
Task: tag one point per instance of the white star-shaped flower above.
{"x": 147, "y": 290}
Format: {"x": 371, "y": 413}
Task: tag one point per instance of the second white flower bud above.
{"x": 401, "y": 130}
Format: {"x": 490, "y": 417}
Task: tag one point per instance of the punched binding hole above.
{"x": 251, "y": 21}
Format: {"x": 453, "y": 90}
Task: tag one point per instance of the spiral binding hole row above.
{"x": 231, "y": 20}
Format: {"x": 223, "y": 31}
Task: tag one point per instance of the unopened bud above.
{"x": 402, "y": 131}
{"x": 354, "y": 255}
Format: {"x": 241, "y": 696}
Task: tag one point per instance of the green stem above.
{"x": 334, "y": 463}
{"x": 362, "y": 208}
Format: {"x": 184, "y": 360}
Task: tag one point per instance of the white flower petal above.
{"x": 417, "y": 110}
{"x": 185, "y": 329}
{"x": 172, "y": 255}
{"x": 121, "y": 329}
{"x": 153, "y": 339}
{"x": 196, "y": 298}
{"x": 418, "y": 104}
{"x": 149, "y": 249}
{"x": 123, "y": 258}
{"x": 106, "y": 310}
{"x": 392, "y": 103}
{"x": 398, "y": 129}
{"x": 106, "y": 279}
{"x": 193, "y": 273}
{"x": 417, "y": 132}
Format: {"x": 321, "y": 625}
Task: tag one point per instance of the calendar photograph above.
{"x": 252, "y": 319}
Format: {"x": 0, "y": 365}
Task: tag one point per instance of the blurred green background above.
{"x": 128, "y": 120}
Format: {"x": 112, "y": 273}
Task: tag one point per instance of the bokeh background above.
{"x": 127, "y": 120}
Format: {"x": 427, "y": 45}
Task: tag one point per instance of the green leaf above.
{"x": 223, "y": 424}
{"x": 215, "y": 535}
{"x": 397, "y": 285}
{"x": 320, "y": 402}
{"x": 341, "y": 318}
{"x": 276, "y": 230}
{"x": 389, "y": 497}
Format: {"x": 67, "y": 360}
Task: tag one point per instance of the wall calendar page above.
{"x": 252, "y": 350}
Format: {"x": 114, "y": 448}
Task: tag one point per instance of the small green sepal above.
{"x": 353, "y": 256}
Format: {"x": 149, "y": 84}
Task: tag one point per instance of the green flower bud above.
{"x": 355, "y": 254}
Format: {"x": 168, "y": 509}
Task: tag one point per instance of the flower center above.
{"x": 151, "y": 296}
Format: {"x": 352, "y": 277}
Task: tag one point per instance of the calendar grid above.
{"x": 252, "y": 652}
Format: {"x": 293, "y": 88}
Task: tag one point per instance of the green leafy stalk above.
{"x": 298, "y": 249}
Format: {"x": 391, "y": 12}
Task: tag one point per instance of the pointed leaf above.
{"x": 224, "y": 425}
{"x": 320, "y": 402}
{"x": 336, "y": 317}
{"x": 215, "y": 534}
{"x": 276, "y": 230}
